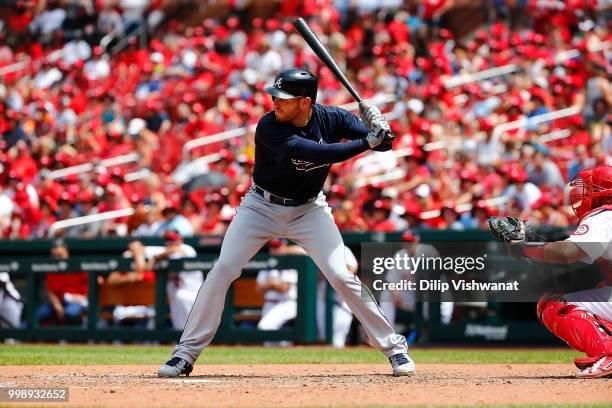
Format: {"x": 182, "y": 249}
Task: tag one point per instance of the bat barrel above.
{"x": 317, "y": 46}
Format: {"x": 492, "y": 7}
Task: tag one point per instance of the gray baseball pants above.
{"x": 310, "y": 226}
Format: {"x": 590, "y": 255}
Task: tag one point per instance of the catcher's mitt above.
{"x": 386, "y": 145}
{"x": 507, "y": 229}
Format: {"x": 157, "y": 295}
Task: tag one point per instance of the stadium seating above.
{"x": 69, "y": 101}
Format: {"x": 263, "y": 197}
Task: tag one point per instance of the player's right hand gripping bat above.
{"x": 319, "y": 49}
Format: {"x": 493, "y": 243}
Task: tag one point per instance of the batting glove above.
{"x": 380, "y": 128}
{"x": 370, "y": 113}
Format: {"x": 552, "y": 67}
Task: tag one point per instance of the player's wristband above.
{"x": 532, "y": 250}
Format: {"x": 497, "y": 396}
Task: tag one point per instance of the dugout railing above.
{"x": 28, "y": 261}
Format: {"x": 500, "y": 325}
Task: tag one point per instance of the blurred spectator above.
{"x": 97, "y": 68}
{"x": 279, "y": 287}
{"x": 524, "y": 192}
{"x": 14, "y": 130}
{"x": 65, "y": 207}
{"x": 22, "y": 163}
{"x": 6, "y": 210}
{"x": 173, "y": 220}
{"x": 412, "y": 212}
{"x": 157, "y": 119}
{"x": 67, "y": 293}
{"x": 147, "y": 220}
{"x": 348, "y": 219}
{"x": 109, "y": 19}
{"x": 597, "y": 87}
{"x": 416, "y": 171}
{"x": 78, "y": 15}
{"x": 49, "y": 21}
{"x": 76, "y": 51}
{"x": 264, "y": 61}
{"x": 140, "y": 216}
{"x": 182, "y": 287}
{"x": 379, "y": 219}
{"x": 87, "y": 206}
{"x": 542, "y": 171}
{"x": 581, "y": 162}
{"x": 137, "y": 315}
{"x": 10, "y": 303}
{"x": 18, "y": 189}
{"x": 478, "y": 217}
{"x": 600, "y": 129}
{"x": 450, "y": 217}
{"x": 21, "y": 18}
{"x": 212, "y": 217}
{"x": 191, "y": 211}
{"x": 46, "y": 219}
{"x": 546, "y": 212}
{"x": 488, "y": 148}
{"x": 372, "y": 194}
{"x": 535, "y": 107}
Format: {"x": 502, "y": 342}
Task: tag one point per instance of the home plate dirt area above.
{"x": 314, "y": 385}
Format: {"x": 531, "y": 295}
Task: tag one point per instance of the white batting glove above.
{"x": 380, "y": 128}
{"x": 369, "y": 113}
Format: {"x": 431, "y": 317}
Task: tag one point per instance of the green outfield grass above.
{"x": 123, "y": 354}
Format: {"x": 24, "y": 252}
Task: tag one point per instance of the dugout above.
{"x": 27, "y": 261}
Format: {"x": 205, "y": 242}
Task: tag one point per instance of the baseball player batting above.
{"x": 295, "y": 146}
{"x": 582, "y": 319}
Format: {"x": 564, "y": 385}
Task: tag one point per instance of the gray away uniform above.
{"x": 286, "y": 201}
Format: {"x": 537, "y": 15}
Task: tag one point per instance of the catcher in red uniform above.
{"x": 582, "y": 319}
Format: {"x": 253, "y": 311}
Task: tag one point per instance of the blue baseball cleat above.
{"x": 402, "y": 365}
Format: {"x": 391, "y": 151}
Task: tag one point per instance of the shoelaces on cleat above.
{"x": 399, "y": 359}
{"x": 174, "y": 361}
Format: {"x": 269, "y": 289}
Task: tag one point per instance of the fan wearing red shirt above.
{"x": 67, "y": 293}
{"x": 23, "y": 163}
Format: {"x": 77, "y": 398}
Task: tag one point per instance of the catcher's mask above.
{"x": 588, "y": 186}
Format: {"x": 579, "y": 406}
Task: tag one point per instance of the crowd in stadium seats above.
{"x": 74, "y": 102}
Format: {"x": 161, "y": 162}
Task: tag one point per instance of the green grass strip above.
{"x": 479, "y": 406}
{"x": 128, "y": 354}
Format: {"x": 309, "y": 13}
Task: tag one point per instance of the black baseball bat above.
{"x": 319, "y": 49}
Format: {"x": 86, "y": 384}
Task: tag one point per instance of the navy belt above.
{"x": 288, "y": 202}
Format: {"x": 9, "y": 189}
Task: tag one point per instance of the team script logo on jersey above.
{"x": 302, "y": 165}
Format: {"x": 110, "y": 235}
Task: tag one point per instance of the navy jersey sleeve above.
{"x": 276, "y": 139}
{"x": 348, "y": 126}
{"x": 327, "y": 153}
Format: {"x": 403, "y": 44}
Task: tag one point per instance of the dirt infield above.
{"x": 314, "y": 385}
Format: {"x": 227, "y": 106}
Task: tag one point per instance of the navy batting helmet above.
{"x": 294, "y": 83}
